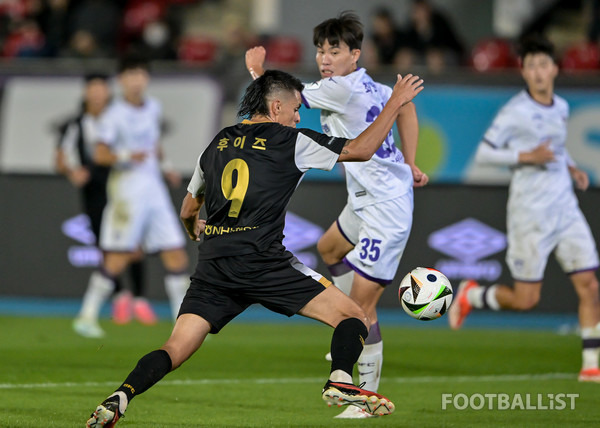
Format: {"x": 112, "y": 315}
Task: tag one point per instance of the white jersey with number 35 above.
{"x": 349, "y": 104}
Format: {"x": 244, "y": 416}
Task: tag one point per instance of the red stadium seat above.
{"x": 24, "y": 42}
{"x": 139, "y": 13}
{"x": 284, "y": 51}
{"x": 581, "y": 56}
{"x": 493, "y": 54}
{"x": 197, "y": 49}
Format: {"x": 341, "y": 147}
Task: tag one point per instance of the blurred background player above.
{"x": 74, "y": 159}
{"x": 139, "y": 213}
{"x": 364, "y": 245}
{"x": 242, "y": 259}
{"x": 543, "y": 215}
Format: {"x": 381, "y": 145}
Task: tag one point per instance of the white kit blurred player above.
{"x": 543, "y": 215}
{"x": 139, "y": 213}
{"x": 363, "y": 247}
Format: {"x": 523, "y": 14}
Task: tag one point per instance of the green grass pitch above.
{"x": 271, "y": 375}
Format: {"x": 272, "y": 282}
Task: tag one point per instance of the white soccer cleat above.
{"x": 87, "y": 328}
{"x": 328, "y": 356}
{"x": 353, "y": 412}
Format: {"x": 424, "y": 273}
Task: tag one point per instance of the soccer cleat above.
{"x": 589, "y": 375}
{"x": 328, "y": 356}
{"x": 461, "y": 307}
{"x": 122, "y": 307}
{"x": 342, "y": 394}
{"x": 143, "y": 311}
{"x": 353, "y": 412}
{"x": 87, "y": 328}
{"x": 107, "y": 413}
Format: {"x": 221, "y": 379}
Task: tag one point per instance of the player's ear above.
{"x": 355, "y": 55}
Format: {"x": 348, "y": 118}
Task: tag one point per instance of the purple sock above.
{"x": 374, "y": 334}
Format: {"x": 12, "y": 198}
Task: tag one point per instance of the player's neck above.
{"x": 542, "y": 97}
{"x": 261, "y": 118}
{"x": 136, "y": 100}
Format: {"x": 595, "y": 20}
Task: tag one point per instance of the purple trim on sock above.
{"x": 380, "y": 281}
{"x": 591, "y": 343}
{"x": 339, "y": 268}
{"x": 342, "y": 232}
{"x": 374, "y": 334}
{"x": 581, "y": 270}
{"x": 105, "y": 274}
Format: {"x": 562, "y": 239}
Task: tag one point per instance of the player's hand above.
{"x": 407, "y": 87}
{"x": 79, "y": 176}
{"x": 199, "y": 226}
{"x": 420, "y": 179}
{"x": 541, "y": 155}
{"x": 255, "y": 60}
{"x": 138, "y": 156}
{"x": 581, "y": 179}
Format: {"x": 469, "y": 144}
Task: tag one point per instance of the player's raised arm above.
{"x": 366, "y": 144}
{"x": 408, "y": 129}
{"x": 190, "y": 209}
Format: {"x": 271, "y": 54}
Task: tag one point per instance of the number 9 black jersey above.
{"x": 248, "y": 174}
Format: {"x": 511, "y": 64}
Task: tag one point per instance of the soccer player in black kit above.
{"x": 246, "y": 177}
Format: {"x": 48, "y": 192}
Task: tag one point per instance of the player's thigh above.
{"x": 332, "y": 307}
{"x": 384, "y": 231}
{"x": 123, "y": 224}
{"x": 163, "y": 231}
{"x": 188, "y": 334}
{"x": 530, "y": 242}
{"x": 340, "y": 238}
{"x": 576, "y": 250}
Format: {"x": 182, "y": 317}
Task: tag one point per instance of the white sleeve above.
{"x": 330, "y": 94}
{"x": 68, "y": 145}
{"x": 489, "y": 154}
{"x": 501, "y": 130}
{"x": 311, "y": 154}
{"x": 107, "y": 129}
{"x": 197, "y": 183}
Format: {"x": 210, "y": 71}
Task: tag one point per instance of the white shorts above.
{"x": 379, "y": 233}
{"x": 149, "y": 223}
{"x": 532, "y": 237}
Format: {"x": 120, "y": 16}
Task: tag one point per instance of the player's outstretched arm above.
{"x": 366, "y": 144}
{"x": 255, "y": 60}
{"x": 408, "y": 129}
{"x": 104, "y": 156}
{"x": 190, "y": 209}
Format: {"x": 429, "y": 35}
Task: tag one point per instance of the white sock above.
{"x": 476, "y": 295}
{"x": 176, "y": 286}
{"x": 490, "y": 298}
{"x": 98, "y": 291}
{"x": 590, "y": 356}
{"x": 369, "y": 366}
{"x": 344, "y": 282}
{"x": 340, "y": 376}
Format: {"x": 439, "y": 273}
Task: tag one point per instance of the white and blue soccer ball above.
{"x": 425, "y": 293}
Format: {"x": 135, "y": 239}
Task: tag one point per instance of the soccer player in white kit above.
{"x": 139, "y": 212}
{"x": 529, "y": 135}
{"x": 363, "y": 247}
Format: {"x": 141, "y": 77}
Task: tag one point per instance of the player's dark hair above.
{"x": 255, "y": 100}
{"x": 132, "y": 62}
{"x": 535, "y": 44}
{"x": 95, "y": 75}
{"x": 346, "y": 28}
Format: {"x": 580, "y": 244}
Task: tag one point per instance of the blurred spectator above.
{"x": 387, "y": 38}
{"x": 594, "y": 26}
{"x": 430, "y": 40}
{"x": 93, "y": 28}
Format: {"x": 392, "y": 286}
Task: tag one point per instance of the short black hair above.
{"x": 346, "y": 28}
{"x": 255, "y": 98}
{"x": 95, "y": 75}
{"x": 534, "y": 44}
{"x": 132, "y": 62}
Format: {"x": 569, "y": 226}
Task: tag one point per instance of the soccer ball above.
{"x": 425, "y": 294}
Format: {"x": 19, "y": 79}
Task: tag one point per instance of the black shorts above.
{"x": 224, "y": 287}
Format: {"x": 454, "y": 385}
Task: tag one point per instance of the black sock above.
{"x": 136, "y": 272}
{"x": 150, "y": 369}
{"x": 347, "y": 344}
